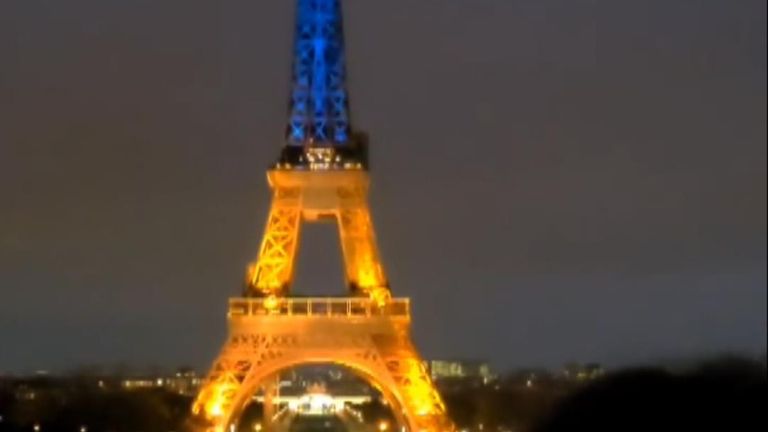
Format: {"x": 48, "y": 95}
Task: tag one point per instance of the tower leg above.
{"x": 270, "y": 393}
{"x": 358, "y": 242}
{"x": 271, "y": 274}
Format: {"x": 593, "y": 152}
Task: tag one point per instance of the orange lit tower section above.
{"x": 321, "y": 174}
{"x": 322, "y": 171}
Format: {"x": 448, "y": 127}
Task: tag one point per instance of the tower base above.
{"x": 373, "y": 341}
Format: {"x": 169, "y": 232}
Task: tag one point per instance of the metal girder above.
{"x": 319, "y": 110}
{"x": 311, "y": 196}
{"x": 272, "y": 273}
{"x": 377, "y": 347}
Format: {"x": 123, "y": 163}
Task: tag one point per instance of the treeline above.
{"x": 72, "y": 409}
{"x": 723, "y": 395}
{"x": 726, "y": 395}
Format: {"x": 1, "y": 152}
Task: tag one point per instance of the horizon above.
{"x": 114, "y": 369}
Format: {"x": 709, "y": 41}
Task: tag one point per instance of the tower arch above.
{"x": 254, "y": 383}
{"x": 374, "y": 340}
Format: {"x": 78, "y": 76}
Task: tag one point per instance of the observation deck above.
{"x": 342, "y": 307}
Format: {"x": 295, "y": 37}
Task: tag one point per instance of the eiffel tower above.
{"x": 320, "y": 175}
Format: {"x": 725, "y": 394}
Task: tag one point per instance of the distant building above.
{"x": 184, "y": 382}
{"x": 335, "y": 379}
{"x": 459, "y": 369}
{"x": 529, "y": 378}
{"x": 583, "y": 372}
{"x": 316, "y": 400}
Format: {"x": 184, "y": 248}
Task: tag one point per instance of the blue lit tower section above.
{"x": 319, "y": 107}
{"x": 318, "y": 124}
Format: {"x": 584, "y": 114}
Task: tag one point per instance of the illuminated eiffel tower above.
{"x": 321, "y": 174}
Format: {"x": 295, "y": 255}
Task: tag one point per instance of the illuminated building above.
{"x": 184, "y": 382}
{"x": 582, "y": 372}
{"x": 139, "y": 383}
{"x": 316, "y": 400}
{"x": 442, "y": 369}
{"x": 321, "y": 175}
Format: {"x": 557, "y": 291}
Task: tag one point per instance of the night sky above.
{"x": 552, "y": 180}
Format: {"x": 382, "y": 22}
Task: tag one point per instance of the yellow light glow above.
{"x": 214, "y": 408}
{"x": 271, "y": 303}
{"x": 301, "y": 196}
{"x": 380, "y": 296}
{"x": 214, "y": 402}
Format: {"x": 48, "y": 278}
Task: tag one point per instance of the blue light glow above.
{"x": 319, "y": 111}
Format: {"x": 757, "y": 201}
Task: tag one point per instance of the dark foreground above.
{"x": 724, "y": 397}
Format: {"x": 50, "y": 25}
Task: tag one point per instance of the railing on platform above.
{"x": 319, "y": 307}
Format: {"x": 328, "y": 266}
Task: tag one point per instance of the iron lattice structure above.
{"x": 320, "y": 175}
{"x": 311, "y": 196}
{"x": 373, "y": 341}
{"x": 319, "y": 103}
